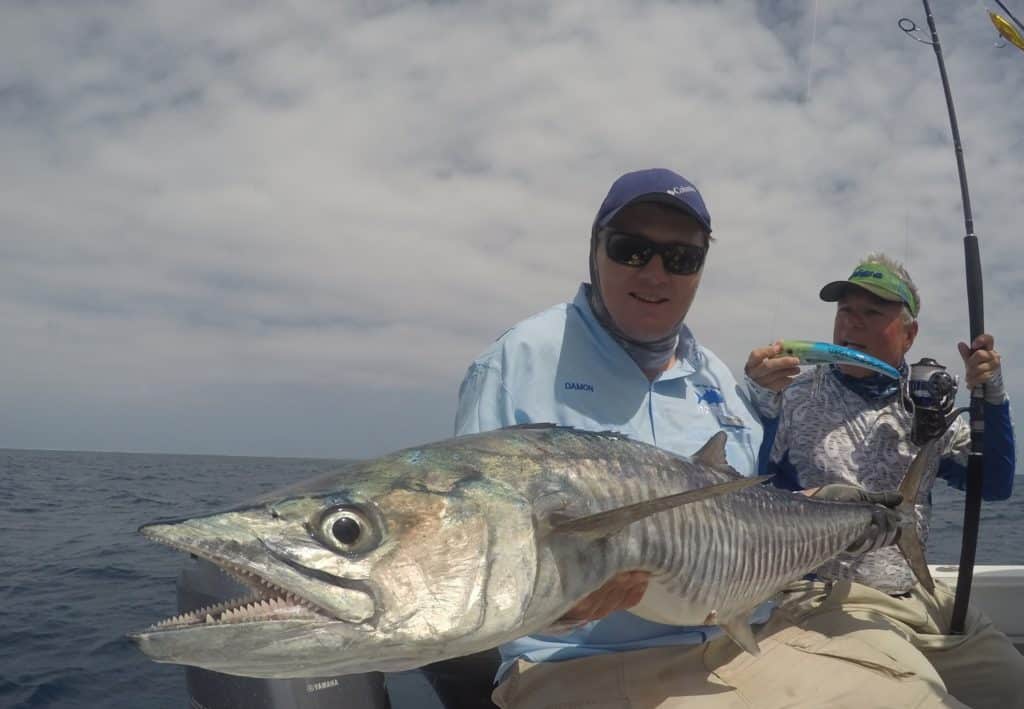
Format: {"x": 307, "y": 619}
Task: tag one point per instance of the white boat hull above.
{"x": 997, "y": 590}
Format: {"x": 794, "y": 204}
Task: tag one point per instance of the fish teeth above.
{"x": 208, "y": 614}
{"x": 267, "y": 599}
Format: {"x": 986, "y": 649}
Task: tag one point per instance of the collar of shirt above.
{"x": 688, "y": 355}
{"x": 875, "y": 387}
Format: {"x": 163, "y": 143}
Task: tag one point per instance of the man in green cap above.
{"x": 879, "y": 278}
{"x": 843, "y": 424}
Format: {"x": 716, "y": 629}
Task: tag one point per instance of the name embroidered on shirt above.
{"x": 579, "y": 386}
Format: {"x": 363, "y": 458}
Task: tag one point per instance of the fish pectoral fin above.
{"x": 555, "y": 508}
{"x": 605, "y": 523}
{"x": 742, "y": 634}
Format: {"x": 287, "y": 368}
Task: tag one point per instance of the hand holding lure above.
{"x": 809, "y": 352}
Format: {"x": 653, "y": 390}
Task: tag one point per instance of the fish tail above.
{"x": 909, "y": 541}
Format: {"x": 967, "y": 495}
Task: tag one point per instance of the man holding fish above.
{"x": 842, "y": 423}
{"x": 620, "y": 357}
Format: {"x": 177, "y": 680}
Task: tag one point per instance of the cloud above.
{"x": 298, "y": 225}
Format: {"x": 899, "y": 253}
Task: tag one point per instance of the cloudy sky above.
{"x": 285, "y": 228}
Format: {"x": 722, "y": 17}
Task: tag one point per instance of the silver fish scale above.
{"x": 728, "y": 554}
{"x": 725, "y": 554}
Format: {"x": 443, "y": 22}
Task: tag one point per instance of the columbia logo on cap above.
{"x": 681, "y": 189}
{"x": 653, "y": 185}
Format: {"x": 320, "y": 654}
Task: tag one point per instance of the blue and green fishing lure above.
{"x": 809, "y": 352}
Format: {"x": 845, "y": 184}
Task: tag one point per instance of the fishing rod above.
{"x": 975, "y": 309}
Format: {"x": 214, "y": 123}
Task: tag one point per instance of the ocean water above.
{"x": 75, "y": 576}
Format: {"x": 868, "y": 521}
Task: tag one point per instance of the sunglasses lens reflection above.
{"x": 636, "y": 251}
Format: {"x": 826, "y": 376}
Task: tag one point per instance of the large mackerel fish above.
{"x": 455, "y": 547}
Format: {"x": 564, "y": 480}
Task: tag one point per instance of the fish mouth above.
{"x": 260, "y": 607}
{"x": 266, "y": 601}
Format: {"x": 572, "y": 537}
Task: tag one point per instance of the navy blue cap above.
{"x": 654, "y": 185}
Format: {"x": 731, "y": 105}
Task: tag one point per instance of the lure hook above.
{"x": 1007, "y": 31}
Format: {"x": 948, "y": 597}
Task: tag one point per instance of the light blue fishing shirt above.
{"x": 561, "y": 366}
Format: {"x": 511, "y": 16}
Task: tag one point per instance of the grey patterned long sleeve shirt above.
{"x": 826, "y": 433}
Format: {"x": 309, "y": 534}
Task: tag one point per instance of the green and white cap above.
{"x": 875, "y": 278}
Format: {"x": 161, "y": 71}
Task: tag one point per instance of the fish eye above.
{"x": 348, "y": 530}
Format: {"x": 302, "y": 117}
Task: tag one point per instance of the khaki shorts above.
{"x": 981, "y": 667}
{"x": 797, "y": 667}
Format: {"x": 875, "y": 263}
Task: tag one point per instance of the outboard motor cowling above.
{"x": 200, "y": 584}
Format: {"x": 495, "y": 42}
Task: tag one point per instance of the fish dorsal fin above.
{"x": 712, "y": 453}
{"x": 605, "y": 523}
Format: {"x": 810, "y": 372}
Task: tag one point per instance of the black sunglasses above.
{"x": 636, "y": 251}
